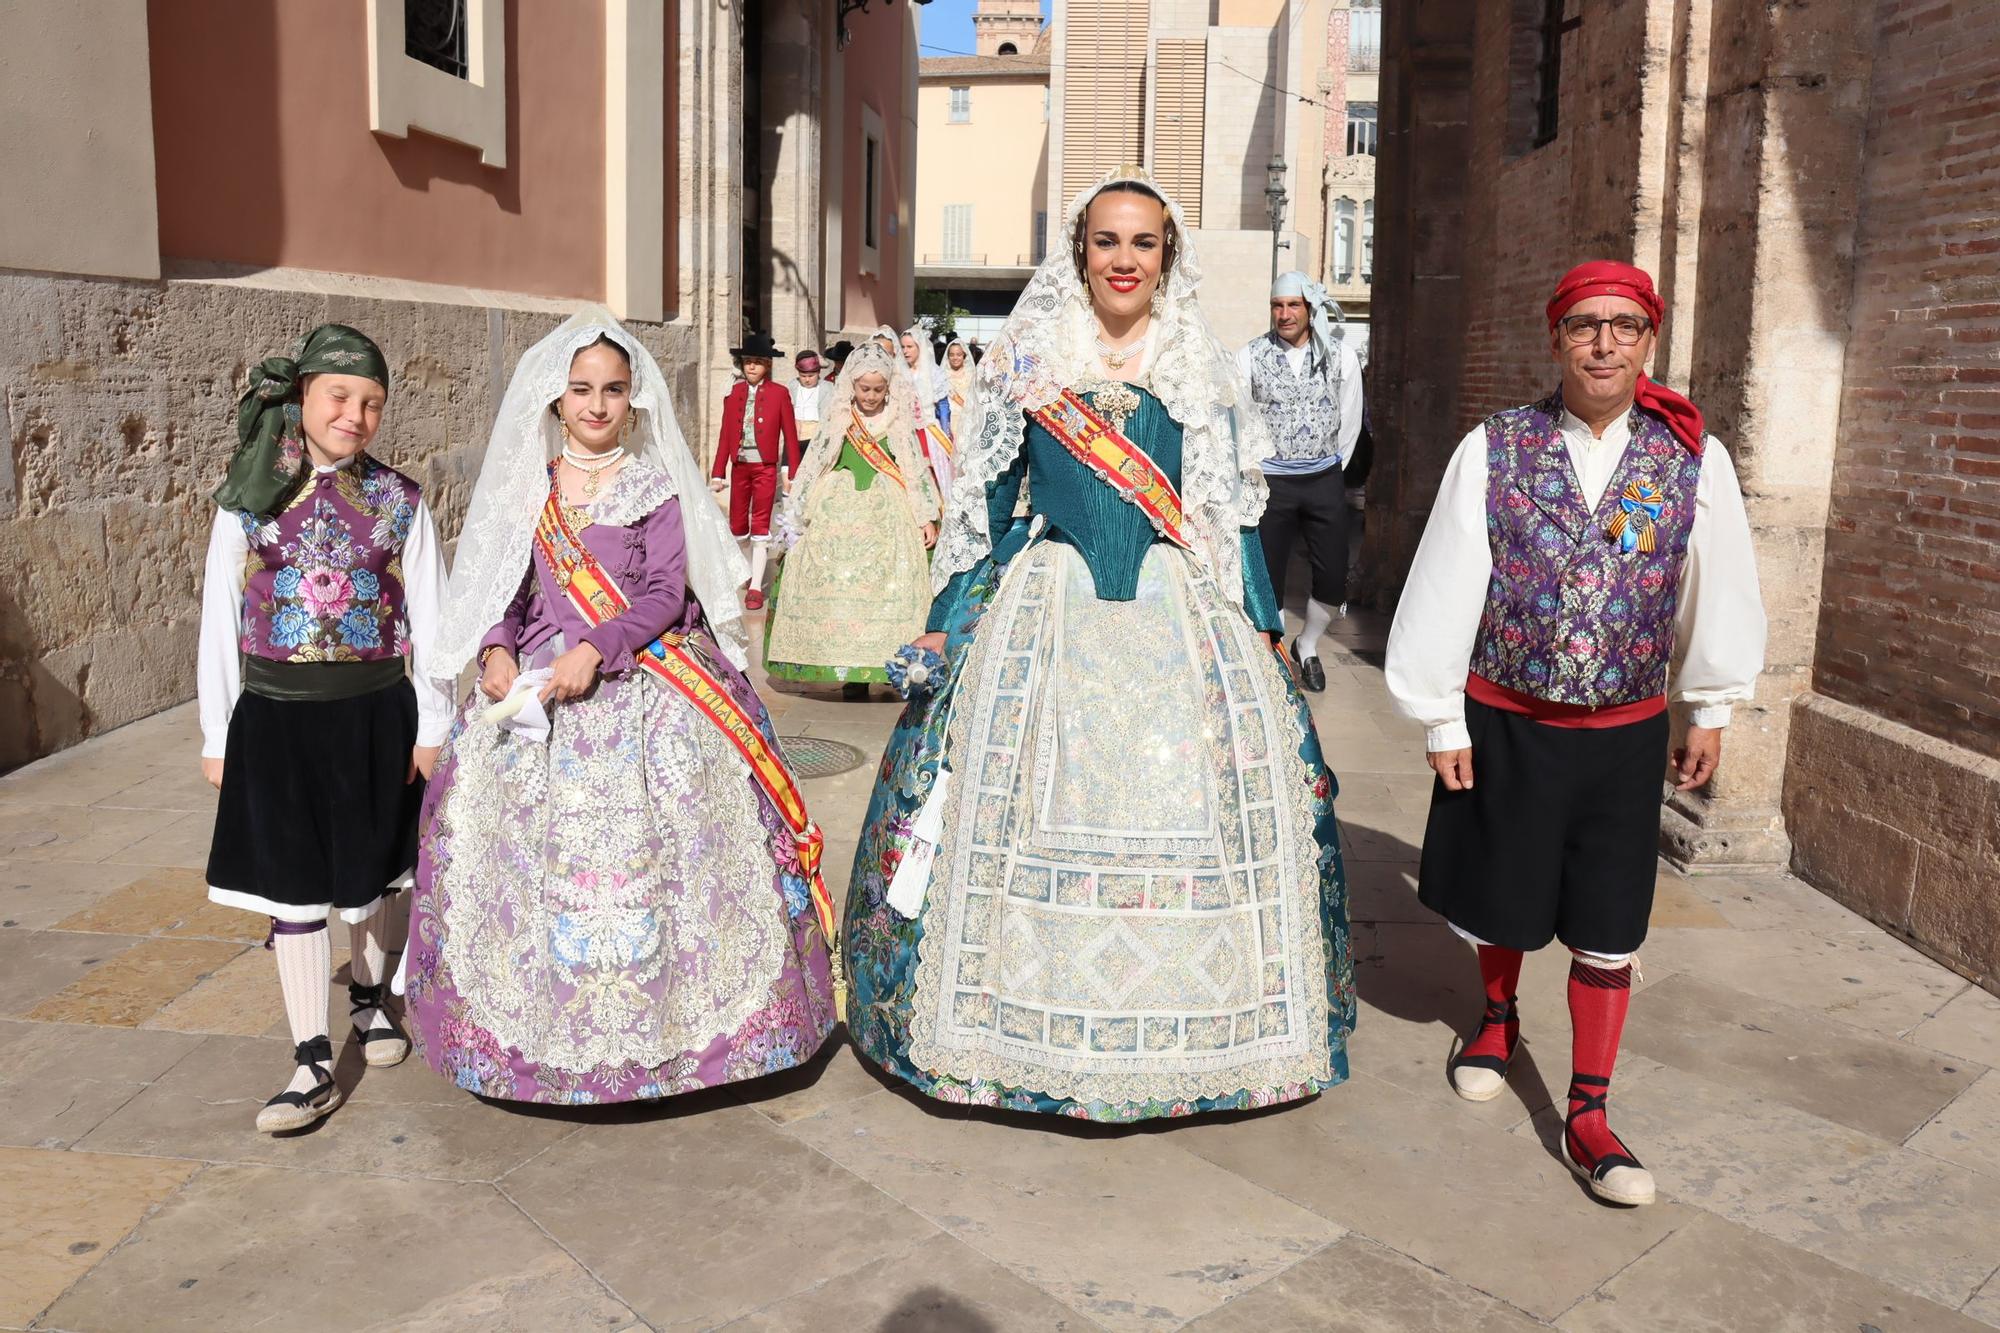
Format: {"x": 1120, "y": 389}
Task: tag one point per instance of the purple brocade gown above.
{"x": 612, "y": 912}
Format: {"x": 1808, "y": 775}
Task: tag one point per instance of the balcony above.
{"x": 1004, "y": 272}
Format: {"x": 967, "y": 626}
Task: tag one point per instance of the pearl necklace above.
{"x": 1115, "y": 358}
{"x": 592, "y": 464}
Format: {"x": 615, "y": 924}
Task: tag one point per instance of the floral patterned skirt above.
{"x": 612, "y": 913}
{"x": 853, "y": 590}
{"x": 1136, "y": 906}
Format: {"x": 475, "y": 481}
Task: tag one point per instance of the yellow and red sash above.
{"x": 870, "y": 448}
{"x": 597, "y": 599}
{"x": 1119, "y": 463}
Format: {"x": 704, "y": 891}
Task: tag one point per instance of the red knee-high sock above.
{"x": 1598, "y": 999}
{"x": 1500, "y": 1029}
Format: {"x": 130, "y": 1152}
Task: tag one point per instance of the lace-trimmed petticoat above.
{"x": 1137, "y": 906}
{"x": 613, "y": 913}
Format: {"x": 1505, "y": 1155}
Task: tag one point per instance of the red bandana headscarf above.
{"x": 1607, "y": 277}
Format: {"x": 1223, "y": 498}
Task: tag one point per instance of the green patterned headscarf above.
{"x": 270, "y": 459}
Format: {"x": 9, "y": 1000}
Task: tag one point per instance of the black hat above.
{"x": 758, "y": 344}
{"x": 839, "y": 351}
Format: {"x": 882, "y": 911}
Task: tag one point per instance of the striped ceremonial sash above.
{"x": 868, "y": 447}
{"x": 597, "y": 599}
{"x": 1119, "y": 463}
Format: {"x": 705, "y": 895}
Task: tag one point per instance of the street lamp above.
{"x": 1274, "y": 195}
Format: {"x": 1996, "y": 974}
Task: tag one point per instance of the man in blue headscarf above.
{"x": 1306, "y": 382}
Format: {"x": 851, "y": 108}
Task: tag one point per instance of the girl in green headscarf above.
{"x": 319, "y": 720}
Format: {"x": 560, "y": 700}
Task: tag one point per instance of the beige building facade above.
{"x": 1209, "y": 95}
{"x": 1812, "y": 186}
{"x": 186, "y": 200}
{"x": 982, "y": 177}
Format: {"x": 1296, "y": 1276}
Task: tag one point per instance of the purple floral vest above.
{"x": 1572, "y": 616}
{"x": 325, "y": 577}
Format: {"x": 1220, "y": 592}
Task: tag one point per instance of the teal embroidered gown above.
{"x": 1136, "y": 905}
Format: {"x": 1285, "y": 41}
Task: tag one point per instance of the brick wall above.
{"x": 1535, "y": 212}
{"x": 1909, "y": 625}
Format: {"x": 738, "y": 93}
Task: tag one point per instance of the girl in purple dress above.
{"x": 610, "y": 904}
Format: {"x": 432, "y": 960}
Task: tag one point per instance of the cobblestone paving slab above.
{"x": 1819, "y": 1102}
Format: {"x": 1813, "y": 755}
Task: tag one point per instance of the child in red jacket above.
{"x": 758, "y": 446}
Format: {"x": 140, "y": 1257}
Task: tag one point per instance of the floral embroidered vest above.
{"x": 1302, "y": 411}
{"x": 324, "y": 579}
{"x": 1573, "y": 616}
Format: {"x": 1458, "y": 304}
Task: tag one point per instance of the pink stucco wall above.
{"x": 264, "y": 155}
{"x": 880, "y": 64}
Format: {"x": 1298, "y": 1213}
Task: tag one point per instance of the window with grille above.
{"x": 1343, "y": 240}
{"x": 1361, "y": 129}
{"x": 434, "y": 33}
{"x": 961, "y": 105}
{"x": 1040, "y": 241}
{"x": 1368, "y": 241}
{"x": 871, "y": 191}
{"x": 1364, "y": 37}
{"x": 1558, "y": 21}
{"x": 957, "y": 233}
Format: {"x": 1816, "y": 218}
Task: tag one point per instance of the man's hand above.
{"x": 497, "y": 676}
{"x": 575, "y": 672}
{"x": 211, "y": 769}
{"x": 930, "y": 535}
{"x": 1696, "y": 761}
{"x": 718, "y": 485}
{"x": 1454, "y": 766}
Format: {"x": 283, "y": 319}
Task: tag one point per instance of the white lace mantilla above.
{"x": 637, "y": 490}
{"x": 494, "y": 545}
{"x": 1049, "y": 344}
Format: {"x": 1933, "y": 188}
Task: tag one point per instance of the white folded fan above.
{"x": 913, "y": 873}
{"x": 522, "y": 709}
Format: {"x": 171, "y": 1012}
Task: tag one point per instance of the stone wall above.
{"x": 1893, "y": 796}
{"x": 1812, "y": 185}
{"x": 117, "y": 402}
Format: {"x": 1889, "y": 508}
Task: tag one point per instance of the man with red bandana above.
{"x": 1588, "y": 557}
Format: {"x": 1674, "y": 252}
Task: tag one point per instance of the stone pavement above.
{"x": 1815, "y": 1097}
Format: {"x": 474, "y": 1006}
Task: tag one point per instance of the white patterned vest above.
{"x": 1302, "y": 411}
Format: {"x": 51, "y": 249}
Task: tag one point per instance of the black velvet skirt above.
{"x": 315, "y": 808}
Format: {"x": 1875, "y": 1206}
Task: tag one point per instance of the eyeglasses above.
{"x": 1626, "y": 330}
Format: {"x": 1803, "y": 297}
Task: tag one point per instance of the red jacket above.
{"x": 774, "y": 422}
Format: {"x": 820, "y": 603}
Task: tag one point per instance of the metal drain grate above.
{"x": 817, "y": 757}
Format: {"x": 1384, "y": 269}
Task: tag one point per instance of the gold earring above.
{"x": 625, "y": 434}
{"x": 563, "y": 421}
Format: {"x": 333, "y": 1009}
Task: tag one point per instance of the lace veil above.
{"x": 1049, "y": 344}
{"x": 960, "y": 380}
{"x": 931, "y": 383}
{"x": 494, "y": 548}
{"x": 867, "y": 358}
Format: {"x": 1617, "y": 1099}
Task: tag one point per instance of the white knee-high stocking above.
{"x": 305, "y": 965}
{"x": 760, "y": 551}
{"x": 1318, "y": 616}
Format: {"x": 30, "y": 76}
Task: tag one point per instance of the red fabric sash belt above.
{"x": 1552, "y": 714}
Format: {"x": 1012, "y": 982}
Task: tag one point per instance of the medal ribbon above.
{"x": 1119, "y": 463}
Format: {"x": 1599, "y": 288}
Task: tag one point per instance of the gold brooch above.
{"x": 1116, "y": 403}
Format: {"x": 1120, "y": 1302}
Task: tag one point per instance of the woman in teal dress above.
{"x": 1100, "y": 875}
